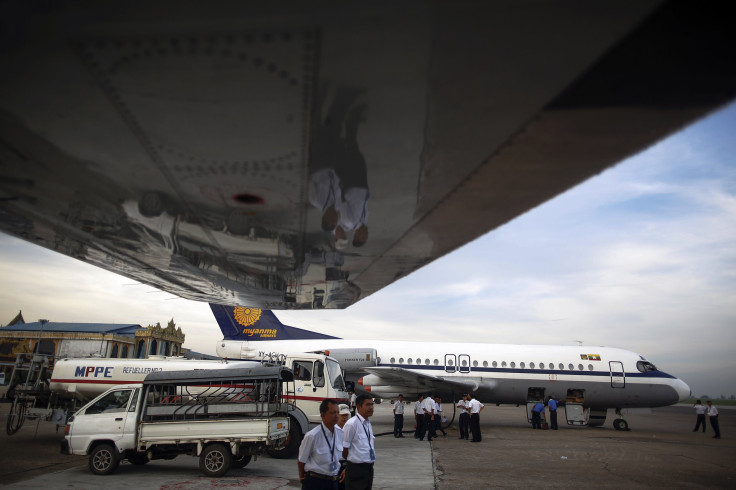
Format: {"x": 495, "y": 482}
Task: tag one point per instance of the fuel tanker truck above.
{"x": 52, "y": 390}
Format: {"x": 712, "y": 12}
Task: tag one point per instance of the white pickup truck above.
{"x": 224, "y": 416}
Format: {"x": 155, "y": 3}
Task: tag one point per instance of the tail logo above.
{"x": 246, "y": 316}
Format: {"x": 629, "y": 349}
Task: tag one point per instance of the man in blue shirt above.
{"x": 537, "y": 413}
{"x": 552, "y": 405}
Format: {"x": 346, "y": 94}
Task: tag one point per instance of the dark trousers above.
{"x": 553, "y": 419}
{"x": 398, "y": 424}
{"x": 475, "y": 426}
{"x": 701, "y": 420}
{"x": 536, "y": 420}
{"x": 464, "y": 425}
{"x": 714, "y": 424}
{"x": 421, "y": 428}
{"x": 429, "y": 424}
{"x": 317, "y": 483}
{"x": 359, "y": 476}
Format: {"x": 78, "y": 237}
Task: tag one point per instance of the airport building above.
{"x": 113, "y": 340}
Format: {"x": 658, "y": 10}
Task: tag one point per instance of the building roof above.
{"x": 125, "y": 329}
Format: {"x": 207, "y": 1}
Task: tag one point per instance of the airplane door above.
{"x": 463, "y": 363}
{"x": 450, "y": 363}
{"x": 618, "y": 377}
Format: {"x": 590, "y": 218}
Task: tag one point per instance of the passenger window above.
{"x": 302, "y": 370}
{"x": 436, "y": 362}
{"x": 522, "y": 365}
{"x": 393, "y": 360}
{"x": 419, "y": 361}
{"x": 590, "y": 367}
{"x": 401, "y": 360}
{"x": 426, "y": 362}
{"x": 495, "y": 364}
{"x": 475, "y": 363}
{"x": 485, "y": 364}
{"x": 580, "y": 367}
{"x": 513, "y": 364}
{"x": 319, "y": 374}
{"x": 541, "y": 365}
{"x": 561, "y": 366}
{"x": 531, "y": 365}
{"x": 570, "y": 367}
{"x": 503, "y": 364}
{"x": 465, "y": 363}
{"x": 409, "y": 360}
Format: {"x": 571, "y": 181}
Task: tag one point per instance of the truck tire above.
{"x": 241, "y": 461}
{"x": 103, "y": 459}
{"x": 215, "y": 460}
{"x": 291, "y": 446}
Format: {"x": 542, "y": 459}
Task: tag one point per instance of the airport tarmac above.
{"x": 660, "y": 450}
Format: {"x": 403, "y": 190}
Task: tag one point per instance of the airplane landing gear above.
{"x": 620, "y": 423}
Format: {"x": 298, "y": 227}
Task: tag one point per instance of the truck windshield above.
{"x": 333, "y": 368}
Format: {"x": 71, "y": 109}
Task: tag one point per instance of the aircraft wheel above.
{"x": 241, "y": 461}
{"x": 215, "y": 460}
{"x": 103, "y": 459}
{"x": 620, "y": 424}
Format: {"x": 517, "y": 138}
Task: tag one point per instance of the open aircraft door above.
{"x": 533, "y": 396}
{"x": 618, "y": 377}
{"x": 575, "y": 413}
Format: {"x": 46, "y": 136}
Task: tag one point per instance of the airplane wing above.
{"x": 400, "y": 377}
{"x": 306, "y": 154}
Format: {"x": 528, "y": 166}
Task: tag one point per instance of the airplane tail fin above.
{"x": 245, "y": 323}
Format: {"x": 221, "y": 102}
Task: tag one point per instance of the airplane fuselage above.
{"x": 495, "y": 373}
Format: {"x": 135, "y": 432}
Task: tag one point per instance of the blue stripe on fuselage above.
{"x": 649, "y": 374}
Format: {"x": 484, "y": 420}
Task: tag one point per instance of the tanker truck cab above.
{"x": 316, "y": 377}
{"x": 224, "y": 416}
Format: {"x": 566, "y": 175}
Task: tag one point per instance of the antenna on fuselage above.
{"x": 580, "y": 343}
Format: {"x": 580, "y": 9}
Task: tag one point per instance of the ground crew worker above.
{"x": 321, "y": 450}
{"x": 399, "y": 416}
{"x": 475, "y": 408}
{"x": 358, "y": 446}
{"x": 464, "y": 420}
{"x": 552, "y": 405}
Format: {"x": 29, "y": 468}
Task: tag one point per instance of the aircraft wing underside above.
{"x": 411, "y": 380}
{"x": 307, "y": 154}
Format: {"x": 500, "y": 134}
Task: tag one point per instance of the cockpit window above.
{"x": 645, "y": 366}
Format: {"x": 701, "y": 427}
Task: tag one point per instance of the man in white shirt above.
{"x": 321, "y": 450}
{"x": 475, "y": 408}
{"x": 399, "y": 416}
{"x": 713, "y": 417}
{"x": 464, "y": 420}
{"x": 438, "y": 417}
{"x": 419, "y": 416}
{"x": 358, "y": 446}
{"x": 429, "y": 411}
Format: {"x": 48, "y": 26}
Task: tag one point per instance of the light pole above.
{"x": 38, "y": 345}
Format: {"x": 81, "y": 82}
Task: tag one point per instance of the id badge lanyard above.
{"x": 333, "y": 463}
{"x": 370, "y": 443}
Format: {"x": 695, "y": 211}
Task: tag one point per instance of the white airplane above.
{"x": 589, "y": 380}
{"x": 291, "y": 154}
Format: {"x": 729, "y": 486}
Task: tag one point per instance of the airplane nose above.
{"x": 682, "y": 389}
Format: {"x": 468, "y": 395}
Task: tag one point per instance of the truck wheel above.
{"x": 291, "y": 446}
{"x": 241, "y": 461}
{"x": 215, "y": 460}
{"x": 103, "y": 459}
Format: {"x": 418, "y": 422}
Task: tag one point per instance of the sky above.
{"x": 641, "y": 257}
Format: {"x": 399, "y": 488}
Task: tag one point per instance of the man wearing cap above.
{"x": 552, "y": 405}
{"x": 399, "y": 416}
{"x": 358, "y": 446}
{"x": 344, "y": 415}
{"x": 320, "y": 451}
